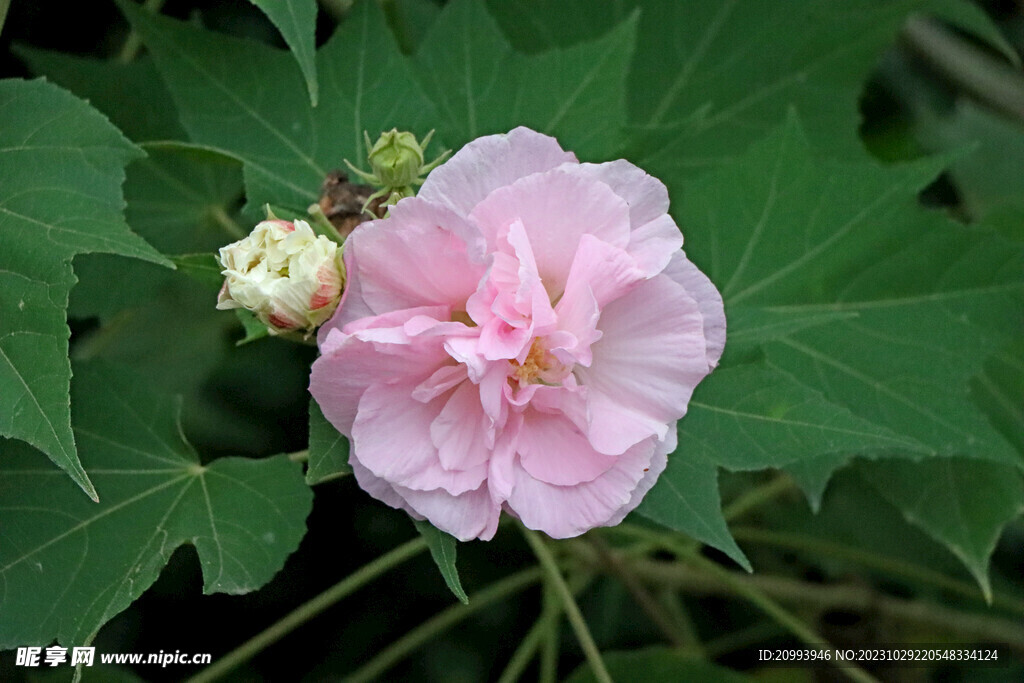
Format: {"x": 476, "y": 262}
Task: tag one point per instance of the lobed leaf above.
{"x": 61, "y": 170}
{"x": 296, "y": 20}
{"x": 287, "y": 147}
{"x": 61, "y": 555}
{"x": 576, "y": 94}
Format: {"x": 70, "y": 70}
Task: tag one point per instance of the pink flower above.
{"x": 522, "y": 336}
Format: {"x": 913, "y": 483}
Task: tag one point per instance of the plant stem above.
{"x": 405, "y": 645}
{"x": 640, "y": 594}
{"x": 890, "y": 566}
{"x": 338, "y": 9}
{"x": 552, "y": 610}
{"x": 4, "y": 6}
{"x": 720, "y": 581}
{"x": 310, "y": 609}
{"x": 757, "y": 496}
{"x": 572, "y": 610}
{"x": 545, "y": 624}
{"x": 221, "y": 217}
{"x": 524, "y": 653}
{"x": 133, "y": 43}
{"x": 967, "y": 67}
{"x": 771, "y": 608}
{"x": 299, "y": 456}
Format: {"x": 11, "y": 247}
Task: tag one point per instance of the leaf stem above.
{"x": 338, "y": 9}
{"x": 552, "y": 608}
{"x": 310, "y": 609}
{"x": 890, "y": 566}
{"x": 758, "y": 496}
{"x": 702, "y": 580}
{"x": 640, "y": 594}
{"x": 4, "y": 6}
{"x": 133, "y": 43}
{"x": 299, "y": 456}
{"x": 773, "y": 610}
{"x": 572, "y": 610}
{"x": 538, "y": 634}
{"x": 230, "y": 225}
{"x": 967, "y": 67}
{"x": 405, "y": 645}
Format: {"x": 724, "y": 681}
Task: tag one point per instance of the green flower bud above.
{"x": 397, "y": 165}
{"x": 396, "y": 158}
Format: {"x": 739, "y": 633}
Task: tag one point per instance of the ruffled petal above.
{"x": 465, "y": 516}
{"x": 460, "y": 431}
{"x": 646, "y": 195}
{"x": 556, "y": 209}
{"x": 488, "y": 163}
{"x": 350, "y": 363}
{"x": 554, "y": 450}
{"x": 391, "y": 437}
{"x": 567, "y": 511}
{"x": 413, "y": 258}
{"x": 646, "y": 364}
{"x": 708, "y": 299}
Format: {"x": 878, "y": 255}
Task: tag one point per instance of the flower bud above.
{"x": 396, "y": 159}
{"x": 289, "y": 277}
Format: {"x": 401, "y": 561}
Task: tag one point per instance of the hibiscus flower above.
{"x": 523, "y": 335}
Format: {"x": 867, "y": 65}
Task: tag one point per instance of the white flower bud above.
{"x": 289, "y": 277}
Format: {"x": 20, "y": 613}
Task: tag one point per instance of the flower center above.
{"x": 539, "y": 367}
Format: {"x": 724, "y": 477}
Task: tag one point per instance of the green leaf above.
{"x": 131, "y": 95}
{"x": 219, "y": 84}
{"x": 61, "y": 169}
{"x": 962, "y": 504}
{"x": 710, "y": 78}
{"x": 814, "y": 474}
{"x": 328, "y": 449}
{"x": 442, "y": 549}
{"x": 753, "y": 416}
{"x": 753, "y": 326}
{"x": 658, "y": 665}
{"x": 296, "y": 20}
{"x": 988, "y": 174}
{"x": 68, "y": 565}
{"x": 576, "y": 94}
{"x": 686, "y": 499}
{"x": 253, "y": 327}
{"x": 932, "y": 300}
{"x": 781, "y": 230}
{"x": 538, "y": 25}
{"x": 999, "y": 391}
{"x": 202, "y": 268}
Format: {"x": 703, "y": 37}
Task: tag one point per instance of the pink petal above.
{"x": 460, "y": 431}
{"x": 654, "y": 244}
{"x": 414, "y": 258}
{"x": 555, "y": 208}
{"x": 567, "y": 511}
{"x": 465, "y": 516}
{"x": 391, "y": 438}
{"x": 488, "y": 163}
{"x": 600, "y": 273}
{"x": 651, "y": 474}
{"x": 646, "y": 195}
{"x": 708, "y": 299}
{"x": 351, "y": 363}
{"x": 646, "y": 364}
{"x": 554, "y": 450}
